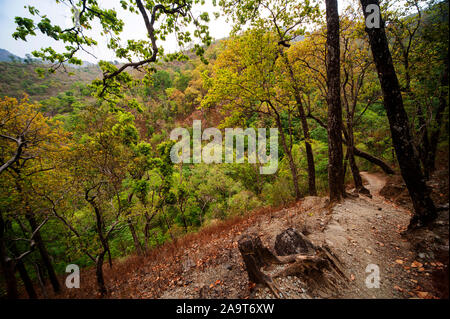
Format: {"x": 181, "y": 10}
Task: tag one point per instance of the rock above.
{"x": 291, "y": 242}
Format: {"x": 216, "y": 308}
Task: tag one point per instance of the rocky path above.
{"x": 364, "y": 233}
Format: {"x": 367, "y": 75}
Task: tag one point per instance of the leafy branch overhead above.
{"x": 159, "y": 20}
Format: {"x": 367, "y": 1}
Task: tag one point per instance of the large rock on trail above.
{"x": 291, "y": 242}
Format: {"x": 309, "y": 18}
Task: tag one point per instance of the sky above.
{"x": 60, "y": 14}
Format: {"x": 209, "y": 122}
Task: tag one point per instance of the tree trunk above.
{"x": 7, "y": 265}
{"x": 44, "y": 254}
{"x": 41, "y": 279}
{"x": 168, "y": 225}
{"x": 315, "y": 265}
{"x": 436, "y": 131}
{"x": 26, "y": 280}
{"x": 351, "y": 158}
{"x": 335, "y": 152}
{"x": 20, "y": 265}
{"x": 301, "y": 111}
{"x": 424, "y": 148}
{"x": 409, "y": 163}
{"x": 100, "y": 227}
{"x": 288, "y": 152}
{"x": 99, "y": 273}
{"x": 374, "y": 160}
{"x": 137, "y": 244}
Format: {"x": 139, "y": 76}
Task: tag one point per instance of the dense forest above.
{"x": 86, "y": 173}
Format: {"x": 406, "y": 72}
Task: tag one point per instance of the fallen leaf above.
{"x": 352, "y": 277}
{"x": 399, "y": 261}
{"x": 368, "y": 251}
{"x": 398, "y": 288}
{"x": 423, "y": 294}
{"x": 416, "y": 264}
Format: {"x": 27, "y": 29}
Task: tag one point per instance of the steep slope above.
{"x": 360, "y": 231}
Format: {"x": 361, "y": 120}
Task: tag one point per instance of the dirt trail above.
{"x": 361, "y": 231}
{"x": 366, "y": 232}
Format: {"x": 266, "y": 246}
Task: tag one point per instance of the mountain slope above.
{"x": 360, "y": 231}
{"x": 6, "y": 56}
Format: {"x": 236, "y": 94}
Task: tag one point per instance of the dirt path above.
{"x": 363, "y": 232}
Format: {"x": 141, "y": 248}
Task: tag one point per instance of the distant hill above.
{"x": 17, "y": 79}
{"x": 6, "y": 56}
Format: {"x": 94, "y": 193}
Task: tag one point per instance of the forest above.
{"x": 87, "y": 176}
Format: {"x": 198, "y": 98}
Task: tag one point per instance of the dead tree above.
{"x": 316, "y": 265}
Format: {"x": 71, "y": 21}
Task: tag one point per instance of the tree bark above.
{"x": 99, "y": 273}
{"x": 408, "y": 160}
{"x": 301, "y": 111}
{"x": 373, "y": 159}
{"x": 288, "y": 152}
{"x": 137, "y": 244}
{"x": 44, "y": 253}
{"x": 7, "y": 265}
{"x": 41, "y": 279}
{"x": 335, "y": 152}
{"x": 20, "y": 265}
{"x": 436, "y": 131}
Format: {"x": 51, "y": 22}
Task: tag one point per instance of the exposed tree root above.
{"x": 318, "y": 266}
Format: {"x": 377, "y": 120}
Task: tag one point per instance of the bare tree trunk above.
{"x": 7, "y": 265}
{"x": 41, "y": 279}
{"x": 436, "y": 131}
{"x": 137, "y": 244}
{"x": 20, "y": 265}
{"x": 335, "y": 152}
{"x": 168, "y": 226}
{"x": 99, "y": 273}
{"x": 373, "y": 159}
{"x": 409, "y": 163}
{"x": 351, "y": 158}
{"x": 288, "y": 152}
{"x": 301, "y": 111}
{"x": 424, "y": 147}
{"x": 44, "y": 254}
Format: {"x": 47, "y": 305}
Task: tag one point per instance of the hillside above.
{"x": 360, "y": 231}
{"x": 304, "y": 155}
{"x": 19, "y": 78}
{"x": 6, "y": 56}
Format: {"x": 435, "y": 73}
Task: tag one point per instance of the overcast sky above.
{"x": 60, "y": 14}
